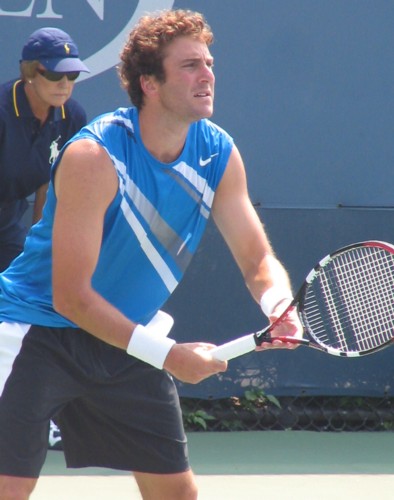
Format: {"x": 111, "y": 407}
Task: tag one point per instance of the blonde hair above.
{"x": 28, "y": 69}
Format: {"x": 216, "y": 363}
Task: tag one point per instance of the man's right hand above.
{"x": 192, "y": 362}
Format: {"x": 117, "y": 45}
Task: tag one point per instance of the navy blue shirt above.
{"x": 26, "y": 153}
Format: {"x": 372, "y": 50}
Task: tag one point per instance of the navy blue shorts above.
{"x": 113, "y": 410}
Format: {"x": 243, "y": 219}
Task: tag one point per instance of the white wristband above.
{"x": 272, "y": 297}
{"x": 161, "y": 323}
{"x": 149, "y": 347}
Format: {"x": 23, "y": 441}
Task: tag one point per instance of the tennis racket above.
{"x": 346, "y": 305}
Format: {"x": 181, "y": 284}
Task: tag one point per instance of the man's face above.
{"x": 188, "y": 89}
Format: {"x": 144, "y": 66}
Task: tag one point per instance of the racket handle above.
{"x": 235, "y": 348}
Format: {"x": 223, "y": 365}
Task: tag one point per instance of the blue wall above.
{"x": 305, "y": 88}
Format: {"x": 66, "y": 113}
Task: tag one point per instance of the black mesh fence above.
{"x": 256, "y": 411}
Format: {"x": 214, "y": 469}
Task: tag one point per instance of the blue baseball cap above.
{"x": 54, "y": 49}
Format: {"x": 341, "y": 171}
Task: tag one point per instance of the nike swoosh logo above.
{"x": 204, "y": 163}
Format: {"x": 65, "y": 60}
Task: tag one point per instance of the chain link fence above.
{"x": 256, "y": 411}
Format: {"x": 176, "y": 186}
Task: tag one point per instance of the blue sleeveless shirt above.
{"x": 151, "y": 229}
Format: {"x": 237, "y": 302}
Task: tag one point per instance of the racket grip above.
{"x": 234, "y": 348}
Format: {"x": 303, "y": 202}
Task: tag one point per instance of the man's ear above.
{"x": 148, "y": 84}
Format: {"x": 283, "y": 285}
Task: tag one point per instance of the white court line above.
{"x": 226, "y": 487}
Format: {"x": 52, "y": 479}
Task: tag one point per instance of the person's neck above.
{"x": 163, "y": 138}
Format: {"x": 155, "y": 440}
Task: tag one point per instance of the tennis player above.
{"x": 128, "y": 201}
{"x": 37, "y": 117}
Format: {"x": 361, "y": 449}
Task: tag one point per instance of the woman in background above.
{"x": 37, "y": 117}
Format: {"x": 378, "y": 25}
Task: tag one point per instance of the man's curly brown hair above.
{"x": 143, "y": 52}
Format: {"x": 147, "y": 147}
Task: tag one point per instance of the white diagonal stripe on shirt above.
{"x": 150, "y": 251}
{"x": 199, "y": 183}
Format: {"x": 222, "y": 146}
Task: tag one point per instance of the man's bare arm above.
{"x": 244, "y": 233}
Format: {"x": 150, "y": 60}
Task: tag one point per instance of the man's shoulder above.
{"x": 212, "y": 127}
{"x": 207, "y": 131}
{"x": 114, "y": 116}
{"x": 109, "y": 128}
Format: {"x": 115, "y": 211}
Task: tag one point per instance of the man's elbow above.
{"x": 69, "y": 302}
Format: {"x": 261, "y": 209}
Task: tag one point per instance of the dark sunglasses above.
{"x": 56, "y": 76}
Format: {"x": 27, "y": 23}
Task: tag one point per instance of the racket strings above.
{"x": 349, "y": 305}
{"x": 371, "y": 316}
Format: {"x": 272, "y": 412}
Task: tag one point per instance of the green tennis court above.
{"x": 277, "y": 465}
